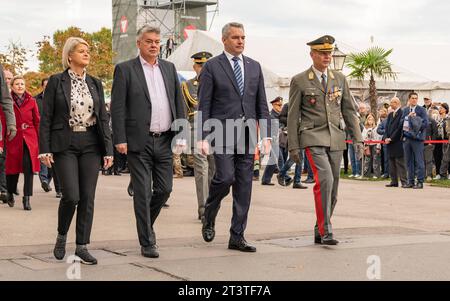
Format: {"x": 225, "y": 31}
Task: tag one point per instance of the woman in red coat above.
{"x": 22, "y": 151}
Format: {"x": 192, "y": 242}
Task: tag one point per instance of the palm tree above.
{"x": 374, "y": 63}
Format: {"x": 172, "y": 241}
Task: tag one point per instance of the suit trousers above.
{"x": 77, "y": 169}
{"x": 236, "y": 171}
{"x": 152, "y": 180}
{"x": 326, "y": 166}
{"x": 12, "y": 180}
{"x": 397, "y": 170}
{"x": 414, "y": 158}
{"x": 204, "y": 169}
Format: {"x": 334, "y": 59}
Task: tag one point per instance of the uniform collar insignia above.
{"x": 311, "y": 75}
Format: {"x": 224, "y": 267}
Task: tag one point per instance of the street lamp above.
{"x": 338, "y": 59}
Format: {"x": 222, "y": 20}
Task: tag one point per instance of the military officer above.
{"x": 204, "y": 166}
{"x": 320, "y": 106}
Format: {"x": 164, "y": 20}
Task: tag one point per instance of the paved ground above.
{"x": 392, "y": 234}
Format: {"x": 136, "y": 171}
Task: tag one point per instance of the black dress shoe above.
{"x": 60, "y": 247}
{"x": 208, "y": 231}
{"x": 150, "y": 251}
{"x": 241, "y": 245}
{"x": 10, "y": 199}
{"x": 329, "y": 242}
{"x": 83, "y": 253}
{"x": 268, "y": 184}
{"x": 166, "y": 205}
{"x": 408, "y": 186}
{"x": 318, "y": 240}
{"x": 418, "y": 186}
{"x": 16, "y": 192}
{"x": 280, "y": 180}
{"x": 299, "y": 186}
{"x": 392, "y": 185}
{"x": 26, "y": 203}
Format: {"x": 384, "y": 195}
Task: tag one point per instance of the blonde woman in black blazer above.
{"x": 75, "y": 136}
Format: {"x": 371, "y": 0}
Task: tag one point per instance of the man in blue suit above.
{"x": 232, "y": 89}
{"x": 415, "y": 122}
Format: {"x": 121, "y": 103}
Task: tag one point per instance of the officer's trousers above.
{"x": 326, "y": 168}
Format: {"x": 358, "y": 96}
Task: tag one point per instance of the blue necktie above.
{"x": 238, "y": 75}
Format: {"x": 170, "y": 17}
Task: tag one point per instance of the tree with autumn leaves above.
{"x": 49, "y": 55}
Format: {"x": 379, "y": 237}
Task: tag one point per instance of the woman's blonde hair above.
{"x": 367, "y": 118}
{"x": 17, "y": 77}
{"x": 69, "y": 47}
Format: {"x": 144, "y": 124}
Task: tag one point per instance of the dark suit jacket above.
{"x": 394, "y": 130}
{"x": 39, "y": 99}
{"x": 55, "y": 132}
{"x": 420, "y": 132}
{"x": 219, "y": 95}
{"x": 131, "y": 105}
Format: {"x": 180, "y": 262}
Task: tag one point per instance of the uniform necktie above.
{"x": 238, "y": 75}
{"x": 324, "y": 82}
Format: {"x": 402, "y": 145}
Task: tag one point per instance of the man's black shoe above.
{"x": 150, "y": 251}
{"x": 208, "y": 231}
{"x": 299, "y": 186}
{"x": 418, "y": 186}
{"x": 280, "y": 180}
{"x": 329, "y": 242}
{"x": 268, "y": 184}
{"x": 16, "y": 192}
{"x": 60, "y": 247}
{"x": 240, "y": 245}
{"x": 86, "y": 258}
{"x": 408, "y": 186}
{"x": 392, "y": 185}
{"x": 318, "y": 240}
{"x": 166, "y": 205}
{"x": 46, "y": 187}
{"x": 309, "y": 181}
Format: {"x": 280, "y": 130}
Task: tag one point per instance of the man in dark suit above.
{"x": 146, "y": 99}
{"x": 232, "y": 89}
{"x": 393, "y": 138}
{"x": 414, "y": 122}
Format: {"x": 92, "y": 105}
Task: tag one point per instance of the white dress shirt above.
{"x": 161, "y": 119}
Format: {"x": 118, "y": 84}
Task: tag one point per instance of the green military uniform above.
{"x": 319, "y": 110}
{"x": 204, "y": 167}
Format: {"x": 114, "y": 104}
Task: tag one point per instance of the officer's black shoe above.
{"x": 86, "y": 258}
{"x": 392, "y": 185}
{"x": 408, "y": 186}
{"x": 318, "y": 240}
{"x": 268, "y": 184}
{"x": 10, "y": 199}
{"x": 26, "y": 203}
{"x": 3, "y": 197}
{"x": 149, "y": 251}
{"x": 418, "y": 186}
{"x": 330, "y": 242}
{"x": 299, "y": 186}
{"x": 60, "y": 247}
{"x": 240, "y": 245}
{"x": 208, "y": 231}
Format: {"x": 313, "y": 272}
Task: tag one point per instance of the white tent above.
{"x": 284, "y": 57}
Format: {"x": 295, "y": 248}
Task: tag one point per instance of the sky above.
{"x": 416, "y": 29}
